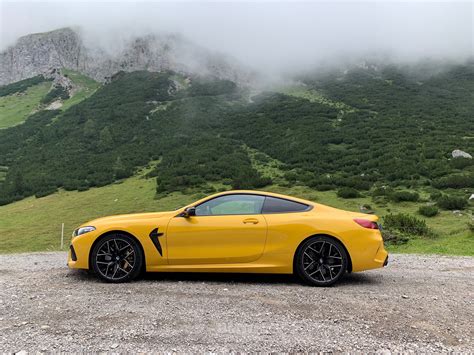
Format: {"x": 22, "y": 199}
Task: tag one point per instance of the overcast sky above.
{"x": 265, "y": 34}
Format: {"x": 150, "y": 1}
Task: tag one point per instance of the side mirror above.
{"x": 188, "y": 212}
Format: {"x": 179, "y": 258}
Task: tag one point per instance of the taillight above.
{"x": 366, "y": 223}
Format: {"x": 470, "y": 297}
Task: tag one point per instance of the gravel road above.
{"x": 417, "y": 303}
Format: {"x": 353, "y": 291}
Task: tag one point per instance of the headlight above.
{"x": 83, "y": 230}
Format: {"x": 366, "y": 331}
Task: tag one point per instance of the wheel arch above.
{"x": 349, "y": 261}
{"x": 117, "y": 232}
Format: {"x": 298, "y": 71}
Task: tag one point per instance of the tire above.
{"x": 117, "y": 258}
{"x": 321, "y": 261}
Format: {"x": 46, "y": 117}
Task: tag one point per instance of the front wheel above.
{"x": 321, "y": 261}
{"x": 117, "y": 258}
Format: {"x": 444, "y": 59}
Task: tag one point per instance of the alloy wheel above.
{"x": 323, "y": 261}
{"x": 115, "y": 259}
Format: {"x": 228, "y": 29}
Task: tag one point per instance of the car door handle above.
{"x": 250, "y": 220}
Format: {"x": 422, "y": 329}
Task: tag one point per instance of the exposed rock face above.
{"x": 460, "y": 154}
{"x": 60, "y": 80}
{"x": 64, "y": 48}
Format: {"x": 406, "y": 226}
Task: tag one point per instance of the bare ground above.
{"x": 417, "y": 303}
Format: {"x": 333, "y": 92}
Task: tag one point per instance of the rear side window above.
{"x": 279, "y": 205}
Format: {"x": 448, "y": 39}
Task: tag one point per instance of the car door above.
{"x": 226, "y": 229}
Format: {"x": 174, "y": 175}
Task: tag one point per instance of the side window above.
{"x": 279, "y": 205}
{"x": 231, "y": 205}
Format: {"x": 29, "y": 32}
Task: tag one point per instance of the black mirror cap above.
{"x": 188, "y": 212}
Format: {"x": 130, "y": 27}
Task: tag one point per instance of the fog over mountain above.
{"x": 270, "y": 37}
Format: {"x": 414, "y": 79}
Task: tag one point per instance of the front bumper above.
{"x": 78, "y": 255}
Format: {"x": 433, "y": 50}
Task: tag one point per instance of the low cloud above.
{"x": 271, "y": 37}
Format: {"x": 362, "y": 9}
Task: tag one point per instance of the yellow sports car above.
{"x": 233, "y": 231}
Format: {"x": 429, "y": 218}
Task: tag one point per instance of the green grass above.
{"x": 86, "y": 87}
{"x": 316, "y": 96}
{"x": 15, "y": 108}
{"x": 35, "y": 224}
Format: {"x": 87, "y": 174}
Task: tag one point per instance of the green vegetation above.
{"x": 56, "y": 93}
{"x": 348, "y": 192}
{"x": 21, "y": 86}
{"x": 399, "y": 196}
{"x": 379, "y": 139}
{"x": 15, "y": 108}
{"x": 34, "y": 224}
{"x": 85, "y": 87}
{"x": 428, "y": 211}
{"x": 405, "y": 223}
{"x": 452, "y": 202}
{"x": 20, "y": 100}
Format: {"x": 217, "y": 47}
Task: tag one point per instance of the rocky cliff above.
{"x": 64, "y": 48}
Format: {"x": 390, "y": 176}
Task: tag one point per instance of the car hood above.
{"x": 129, "y": 217}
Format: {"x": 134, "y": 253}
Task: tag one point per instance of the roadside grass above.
{"x": 15, "y": 108}
{"x": 34, "y": 224}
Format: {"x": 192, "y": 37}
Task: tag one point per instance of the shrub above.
{"x": 58, "y": 92}
{"x": 452, "y": 202}
{"x": 323, "y": 187}
{"x": 461, "y": 163}
{"x": 435, "y": 195}
{"x": 405, "y": 223}
{"x": 470, "y": 226}
{"x": 348, "y": 192}
{"x": 45, "y": 192}
{"x": 455, "y": 181}
{"x": 399, "y": 196}
{"x": 394, "y": 237}
{"x": 428, "y": 211}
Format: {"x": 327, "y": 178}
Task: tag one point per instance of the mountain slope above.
{"x": 52, "y": 90}
{"x": 64, "y": 48}
{"x": 199, "y": 130}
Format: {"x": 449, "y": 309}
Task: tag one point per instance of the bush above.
{"x": 406, "y": 224}
{"x": 348, "y": 192}
{"x": 394, "y": 238}
{"x": 381, "y": 191}
{"x": 435, "y": 195}
{"x": 400, "y": 196}
{"x": 470, "y": 226}
{"x": 461, "y": 163}
{"x": 455, "y": 181}
{"x": 452, "y": 202}
{"x": 323, "y": 187}
{"x": 428, "y": 211}
{"x": 58, "y": 92}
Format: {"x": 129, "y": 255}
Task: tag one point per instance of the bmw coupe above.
{"x": 232, "y": 231}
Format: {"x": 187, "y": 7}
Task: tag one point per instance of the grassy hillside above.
{"x": 34, "y": 224}
{"x": 20, "y": 100}
{"x": 15, "y": 108}
{"x": 85, "y": 88}
{"x": 379, "y": 138}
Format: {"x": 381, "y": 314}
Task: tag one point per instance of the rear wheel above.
{"x": 117, "y": 258}
{"x": 321, "y": 261}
